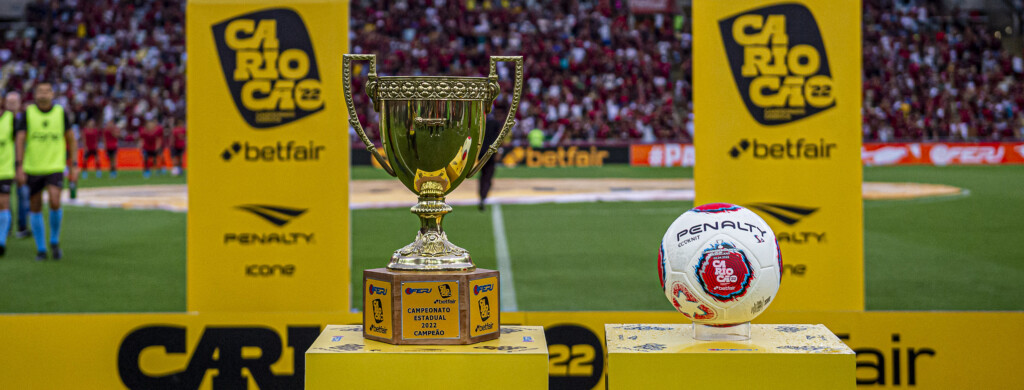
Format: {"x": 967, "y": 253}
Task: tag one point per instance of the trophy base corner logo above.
{"x": 378, "y": 311}
{"x": 778, "y": 60}
{"x": 485, "y": 308}
{"x": 270, "y": 67}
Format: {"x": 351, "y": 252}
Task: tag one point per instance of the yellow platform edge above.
{"x": 776, "y": 357}
{"x": 341, "y": 358}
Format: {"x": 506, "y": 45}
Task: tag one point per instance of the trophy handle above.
{"x": 510, "y": 120}
{"x": 371, "y": 91}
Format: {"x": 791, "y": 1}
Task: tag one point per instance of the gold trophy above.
{"x": 432, "y": 130}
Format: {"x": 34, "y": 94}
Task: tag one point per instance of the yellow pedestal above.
{"x": 341, "y": 359}
{"x": 658, "y": 356}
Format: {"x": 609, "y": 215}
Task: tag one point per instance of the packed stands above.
{"x": 594, "y": 72}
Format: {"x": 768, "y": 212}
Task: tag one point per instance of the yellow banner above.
{"x": 778, "y": 88}
{"x": 268, "y": 221}
{"x": 151, "y": 351}
{"x": 923, "y": 350}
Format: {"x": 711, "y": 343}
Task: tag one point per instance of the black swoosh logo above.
{"x": 787, "y": 214}
{"x": 277, "y": 215}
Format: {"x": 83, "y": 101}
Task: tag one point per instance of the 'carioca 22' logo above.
{"x": 268, "y": 62}
{"x": 779, "y": 63}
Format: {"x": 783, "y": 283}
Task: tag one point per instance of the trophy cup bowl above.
{"x": 432, "y": 130}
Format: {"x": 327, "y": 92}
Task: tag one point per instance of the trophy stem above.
{"x": 431, "y": 250}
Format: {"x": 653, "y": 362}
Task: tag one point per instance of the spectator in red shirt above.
{"x": 162, "y": 158}
{"x": 111, "y": 134}
{"x": 177, "y": 145}
{"x": 91, "y": 147}
{"x": 151, "y": 142}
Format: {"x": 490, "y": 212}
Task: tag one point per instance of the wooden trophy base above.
{"x": 430, "y": 307}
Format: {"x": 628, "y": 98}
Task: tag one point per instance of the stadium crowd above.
{"x": 597, "y": 74}
{"x": 118, "y": 62}
{"x": 590, "y": 73}
{"x": 931, "y": 74}
{"x": 593, "y": 71}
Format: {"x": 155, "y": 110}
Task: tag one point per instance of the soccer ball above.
{"x": 720, "y": 264}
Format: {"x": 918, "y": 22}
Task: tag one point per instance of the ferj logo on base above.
{"x": 270, "y": 67}
{"x": 779, "y": 63}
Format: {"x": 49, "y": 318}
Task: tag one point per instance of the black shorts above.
{"x": 5, "y": 186}
{"x": 111, "y": 153}
{"x": 148, "y": 154}
{"x": 177, "y": 152}
{"x": 37, "y": 184}
{"x": 89, "y": 153}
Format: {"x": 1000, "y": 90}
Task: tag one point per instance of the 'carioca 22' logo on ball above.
{"x": 723, "y": 271}
{"x": 779, "y": 63}
{"x": 268, "y": 62}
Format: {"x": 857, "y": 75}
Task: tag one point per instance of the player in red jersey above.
{"x": 151, "y": 139}
{"x": 177, "y": 145}
{"x": 163, "y": 159}
{"x": 111, "y": 135}
{"x": 91, "y": 147}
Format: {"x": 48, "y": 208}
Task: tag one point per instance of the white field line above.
{"x": 507, "y": 287}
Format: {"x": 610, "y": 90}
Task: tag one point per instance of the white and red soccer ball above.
{"x": 720, "y": 264}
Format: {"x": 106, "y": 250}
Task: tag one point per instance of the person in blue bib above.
{"x": 44, "y": 149}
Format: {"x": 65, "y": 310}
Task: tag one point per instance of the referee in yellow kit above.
{"x": 45, "y": 147}
{"x": 9, "y": 121}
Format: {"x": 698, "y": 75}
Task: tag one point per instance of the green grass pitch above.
{"x": 952, "y": 253}
{"x": 115, "y": 260}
